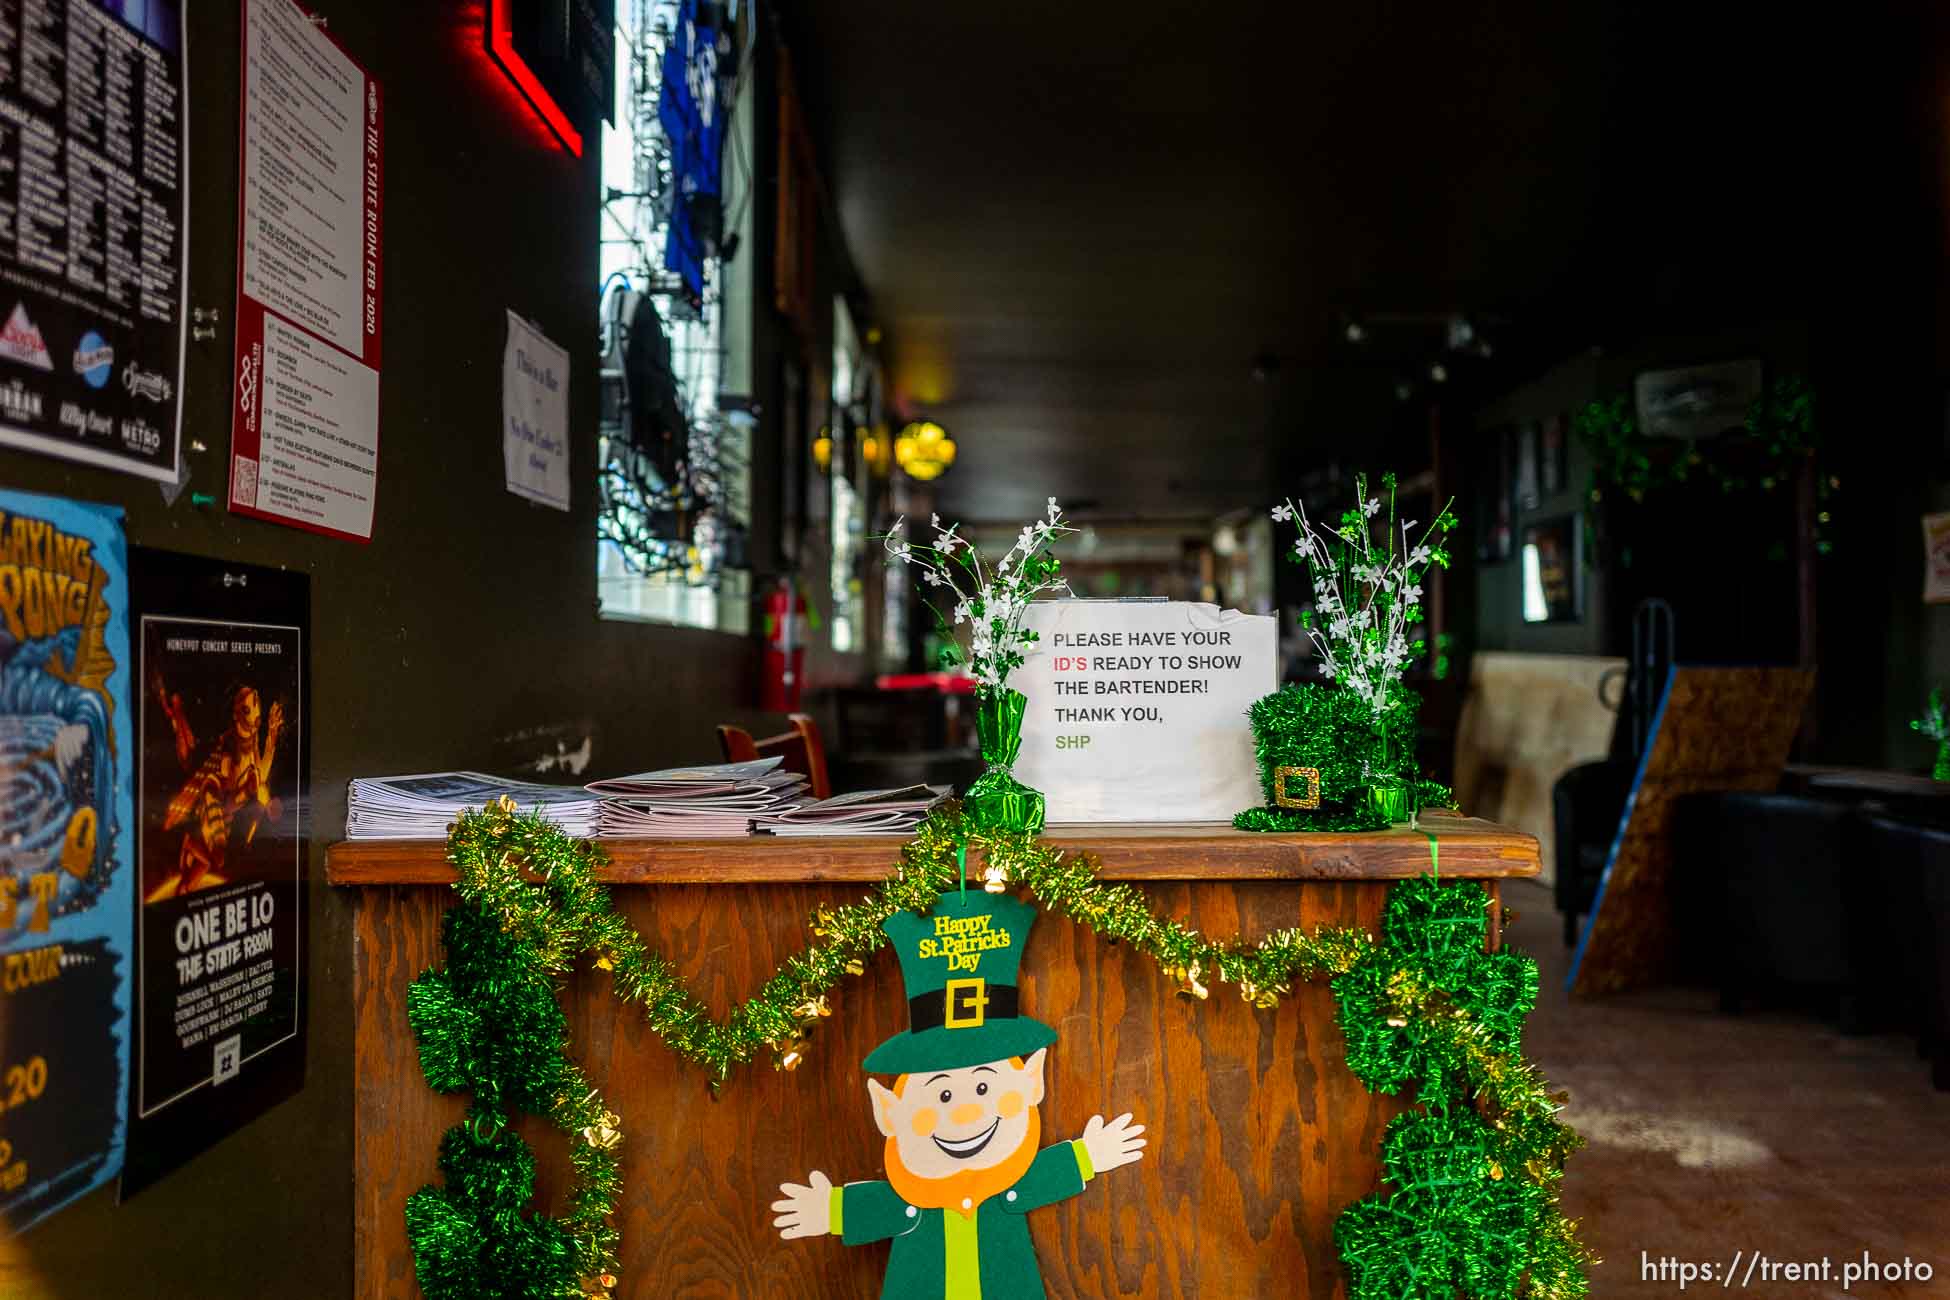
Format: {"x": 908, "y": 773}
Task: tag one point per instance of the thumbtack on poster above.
{"x": 1137, "y": 711}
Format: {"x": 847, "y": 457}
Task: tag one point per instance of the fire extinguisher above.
{"x": 784, "y": 674}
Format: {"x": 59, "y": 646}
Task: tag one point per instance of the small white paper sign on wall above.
{"x": 1137, "y": 709}
{"x": 535, "y": 415}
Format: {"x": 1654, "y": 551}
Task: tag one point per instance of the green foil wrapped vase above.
{"x": 1393, "y": 799}
{"x": 996, "y": 801}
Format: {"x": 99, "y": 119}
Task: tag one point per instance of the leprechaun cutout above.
{"x": 961, "y": 1119}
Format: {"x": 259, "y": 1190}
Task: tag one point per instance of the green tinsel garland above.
{"x": 489, "y": 1024}
{"x": 1476, "y": 1170}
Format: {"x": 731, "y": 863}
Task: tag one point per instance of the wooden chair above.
{"x": 800, "y": 748}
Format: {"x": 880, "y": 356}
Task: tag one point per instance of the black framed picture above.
{"x": 1553, "y": 463}
{"x": 1695, "y": 401}
{"x": 1526, "y": 489}
{"x": 1493, "y": 508}
{"x": 1553, "y": 576}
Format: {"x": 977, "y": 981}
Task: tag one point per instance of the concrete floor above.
{"x": 1768, "y": 1134}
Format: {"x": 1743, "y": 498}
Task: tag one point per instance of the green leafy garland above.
{"x": 1476, "y": 1169}
{"x": 1934, "y": 726}
{"x": 1780, "y": 432}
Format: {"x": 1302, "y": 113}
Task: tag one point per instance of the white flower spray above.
{"x": 991, "y": 600}
{"x": 1367, "y": 592}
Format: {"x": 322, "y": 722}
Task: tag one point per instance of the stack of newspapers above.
{"x": 422, "y": 807}
{"x": 869, "y": 812}
{"x": 716, "y": 801}
{"x": 711, "y": 802}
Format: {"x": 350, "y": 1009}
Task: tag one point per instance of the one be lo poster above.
{"x": 221, "y": 795}
{"x": 66, "y": 823}
{"x": 1137, "y": 709}
{"x": 93, "y": 222}
{"x": 304, "y": 442}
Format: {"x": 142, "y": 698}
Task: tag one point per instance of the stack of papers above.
{"x": 422, "y": 807}
{"x": 712, "y": 802}
{"x": 722, "y": 800}
{"x": 869, "y": 812}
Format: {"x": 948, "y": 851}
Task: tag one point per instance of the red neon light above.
{"x": 501, "y": 45}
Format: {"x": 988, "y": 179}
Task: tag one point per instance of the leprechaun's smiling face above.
{"x": 947, "y": 1122}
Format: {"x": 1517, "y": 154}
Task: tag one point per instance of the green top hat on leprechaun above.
{"x": 959, "y": 963}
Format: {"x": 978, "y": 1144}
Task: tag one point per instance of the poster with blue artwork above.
{"x": 691, "y": 109}
{"x": 66, "y": 822}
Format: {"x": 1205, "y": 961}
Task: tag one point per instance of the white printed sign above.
{"x": 1137, "y": 710}
{"x": 304, "y": 430}
{"x": 535, "y": 415}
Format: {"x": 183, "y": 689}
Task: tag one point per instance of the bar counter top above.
{"x": 1469, "y": 848}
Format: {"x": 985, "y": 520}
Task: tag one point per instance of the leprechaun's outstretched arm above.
{"x": 864, "y": 1212}
{"x": 855, "y": 1213}
{"x": 1061, "y": 1171}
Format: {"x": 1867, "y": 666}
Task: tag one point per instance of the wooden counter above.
{"x": 1261, "y": 1136}
{"x": 1188, "y": 851}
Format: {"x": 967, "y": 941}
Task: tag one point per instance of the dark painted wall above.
{"x": 1828, "y": 209}
{"x": 1885, "y": 422}
{"x": 1601, "y": 374}
{"x": 470, "y": 616}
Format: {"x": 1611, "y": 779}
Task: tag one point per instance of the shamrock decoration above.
{"x": 1457, "y": 1226}
{"x": 489, "y": 1024}
{"x": 470, "y": 1236}
{"x": 479, "y": 1026}
{"x": 1464, "y": 1217}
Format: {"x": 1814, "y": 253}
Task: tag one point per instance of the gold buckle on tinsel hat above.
{"x": 1281, "y": 775}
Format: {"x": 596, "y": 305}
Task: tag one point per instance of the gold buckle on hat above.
{"x": 965, "y": 1012}
{"x": 1310, "y": 800}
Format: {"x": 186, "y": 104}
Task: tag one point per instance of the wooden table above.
{"x": 1261, "y": 1136}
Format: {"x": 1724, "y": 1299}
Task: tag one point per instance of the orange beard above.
{"x": 973, "y": 1185}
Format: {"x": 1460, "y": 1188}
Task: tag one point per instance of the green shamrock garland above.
{"x": 1476, "y": 1168}
{"x": 1475, "y": 1207}
{"x": 489, "y": 1024}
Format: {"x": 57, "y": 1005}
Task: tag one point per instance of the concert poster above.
{"x": 222, "y": 805}
{"x": 66, "y": 824}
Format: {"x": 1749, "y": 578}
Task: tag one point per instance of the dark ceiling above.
{"x": 1080, "y": 224}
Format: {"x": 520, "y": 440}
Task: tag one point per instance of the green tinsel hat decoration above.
{"x": 1312, "y": 743}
